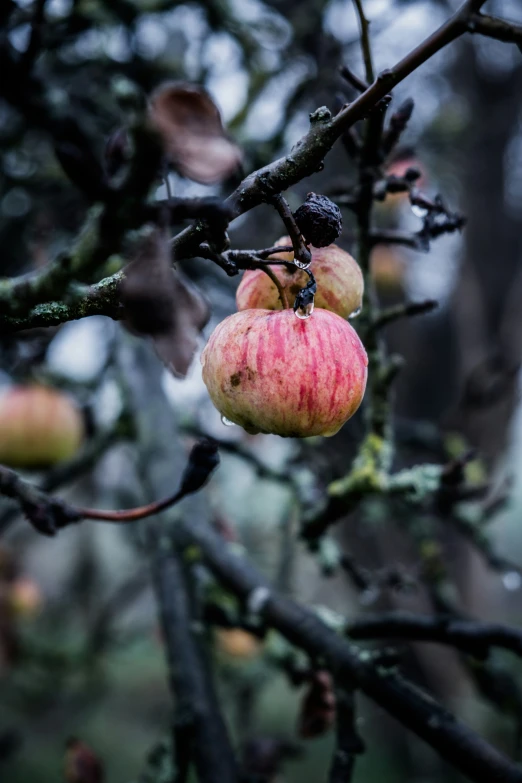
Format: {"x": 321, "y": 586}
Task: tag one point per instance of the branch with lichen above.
{"x": 305, "y": 159}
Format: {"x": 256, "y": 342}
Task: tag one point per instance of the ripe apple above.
{"x": 25, "y": 597}
{"x": 340, "y": 283}
{"x": 271, "y": 372}
{"x": 237, "y": 643}
{"x": 39, "y": 427}
{"x": 387, "y": 269}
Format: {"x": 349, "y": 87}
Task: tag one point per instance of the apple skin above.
{"x": 25, "y": 597}
{"x": 387, "y": 269}
{"x": 340, "y": 283}
{"x": 271, "y": 372}
{"x": 237, "y": 643}
{"x": 39, "y": 427}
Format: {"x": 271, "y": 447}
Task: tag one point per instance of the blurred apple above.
{"x": 25, "y": 597}
{"x": 236, "y": 643}
{"x": 387, "y": 267}
{"x": 398, "y": 168}
{"x": 39, "y": 427}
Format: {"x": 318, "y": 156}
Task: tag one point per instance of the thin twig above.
{"x": 301, "y": 252}
{"x": 493, "y": 27}
{"x": 365, "y": 41}
{"x": 280, "y": 288}
{"x": 348, "y": 742}
{"x": 353, "y": 79}
{"x": 48, "y": 514}
{"x": 405, "y": 310}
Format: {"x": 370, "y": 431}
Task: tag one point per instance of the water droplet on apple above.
{"x": 418, "y": 211}
{"x": 355, "y": 313}
{"x": 512, "y": 580}
{"x": 227, "y": 422}
{"x": 304, "y": 311}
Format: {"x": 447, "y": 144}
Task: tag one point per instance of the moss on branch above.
{"x": 103, "y": 298}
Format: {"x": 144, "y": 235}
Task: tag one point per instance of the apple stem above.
{"x": 280, "y": 288}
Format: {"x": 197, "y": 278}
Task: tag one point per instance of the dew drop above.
{"x": 304, "y": 311}
{"x": 512, "y": 580}
{"x": 355, "y": 313}
{"x": 369, "y": 595}
{"x": 227, "y": 422}
{"x": 301, "y": 265}
{"x": 418, "y": 211}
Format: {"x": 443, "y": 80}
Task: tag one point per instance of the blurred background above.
{"x": 80, "y": 649}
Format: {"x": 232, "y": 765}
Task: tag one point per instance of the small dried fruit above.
{"x": 319, "y": 220}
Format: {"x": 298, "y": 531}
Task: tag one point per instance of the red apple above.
{"x": 271, "y": 372}
{"x": 39, "y": 427}
{"x": 340, "y": 283}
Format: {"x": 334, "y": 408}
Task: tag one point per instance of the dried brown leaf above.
{"x": 192, "y": 132}
{"x": 162, "y": 303}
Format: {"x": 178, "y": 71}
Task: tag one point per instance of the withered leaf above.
{"x": 192, "y": 132}
{"x": 162, "y": 303}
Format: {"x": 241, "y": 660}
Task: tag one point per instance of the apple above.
{"x": 39, "y": 427}
{"x": 387, "y": 269}
{"x": 271, "y": 372}
{"x": 25, "y": 597}
{"x": 398, "y": 168}
{"x": 340, "y": 283}
{"x": 237, "y": 643}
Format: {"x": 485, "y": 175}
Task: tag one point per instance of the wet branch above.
{"x": 48, "y": 515}
{"x": 454, "y": 742}
{"x": 473, "y": 638}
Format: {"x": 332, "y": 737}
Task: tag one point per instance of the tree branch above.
{"x": 473, "y": 638}
{"x": 103, "y": 298}
{"x": 301, "y": 252}
{"x": 492, "y": 27}
{"x": 348, "y": 742}
{"x": 199, "y": 731}
{"x": 457, "y": 744}
{"x": 200, "y": 736}
{"x": 48, "y": 515}
{"x": 307, "y": 156}
{"x": 305, "y": 159}
{"x": 406, "y": 310}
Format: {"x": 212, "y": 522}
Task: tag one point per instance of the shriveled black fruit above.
{"x": 319, "y": 220}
